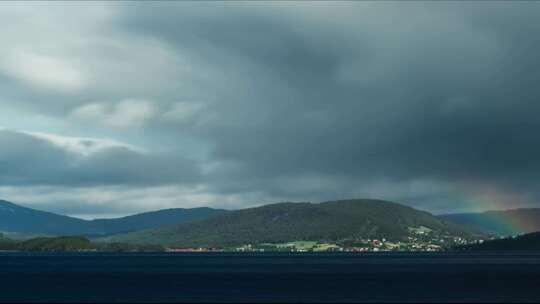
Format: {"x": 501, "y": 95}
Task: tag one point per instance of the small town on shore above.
{"x": 419, "y": 239}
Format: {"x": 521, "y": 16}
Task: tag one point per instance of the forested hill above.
{"x": 282, "y": 222}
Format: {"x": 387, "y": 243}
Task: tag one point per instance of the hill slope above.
{"x": 286, "y": 222}
{"x": 530, "y": 241}
{"x": 506, "y": 222}
{"x": 18, "y": 219}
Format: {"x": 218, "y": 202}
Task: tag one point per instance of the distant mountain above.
{"x": 502, "y": 223}
{"x": 152, "y": 219}
{"x": 286, "y": 222}
{"x": 22, "y": 220}
{"x": 14, "y": 218}
{"x": 530, "y": 241}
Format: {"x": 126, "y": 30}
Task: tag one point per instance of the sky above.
{"x": 115, "y": 108}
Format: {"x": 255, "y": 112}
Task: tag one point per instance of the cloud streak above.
{"x": 44, "y": 160}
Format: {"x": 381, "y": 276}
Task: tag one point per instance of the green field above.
{"x": 300, "y": 246}
{"x": 420, "y": 230}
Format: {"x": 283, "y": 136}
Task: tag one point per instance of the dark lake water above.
{"x": 219, "y": 277}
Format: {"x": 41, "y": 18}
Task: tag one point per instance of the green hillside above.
{"x": 64, "y": 243}
{"x": 71, "y": 243}
{"x": 285, "y": 222}
{"x": 6, "y": 243}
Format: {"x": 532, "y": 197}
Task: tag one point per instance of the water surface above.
{"x": 270, "y": 277}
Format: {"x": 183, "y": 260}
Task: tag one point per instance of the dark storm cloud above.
{"x": 443, "y": 91}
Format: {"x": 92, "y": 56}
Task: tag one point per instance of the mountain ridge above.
{"x": 19, "y": 219}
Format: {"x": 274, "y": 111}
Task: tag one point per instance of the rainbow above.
{"x": 494, "y": 199}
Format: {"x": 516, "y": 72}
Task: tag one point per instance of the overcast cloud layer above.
{"x": 115, "y": 108}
